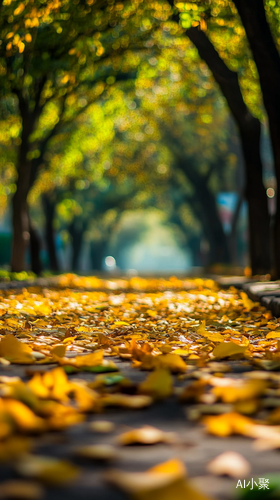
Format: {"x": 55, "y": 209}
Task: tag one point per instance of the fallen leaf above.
{"x": 15, "y": 351}
{"x": 48, "y": 470}
{"x": 227, "y": 349}
{"x": 102, "y": 426}
{"x": 239, "y": 390}
{"x": 166, "y": 481}
{"x": 229, "y": 463}
{"x": 126, "y": 401}
{"x": 102, "y": 452}
{"x": 59, "y": 351}
{"x": 146, "y": 435}
{"x": 158, "y": 384}
{"x": 228, "y": 424}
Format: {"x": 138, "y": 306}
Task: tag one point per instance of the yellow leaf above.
{"x": 104, "y": 452}
{"x": 158, "y": 384}
{"x": 145, "y": 435}
{"x": 37, "y": 387}
{"x": 273, "y": 335}
{"x": 86, "y": 398}
{"x": 25, "y": 419}
{"x": 92, "y": 359}
{"x": 240, "y": 390}
{"x": 59, "y": 350}
{"x": 126, "y": 401}
{"x": 15, "y": 351}
{"x": 165, "y": 481}
{"x": 57, "y": 381}
{"x": 157, "y": 477}
{"x": 227, "y": 424}
{"x": 102, "y": 426}
{"x": 247, "y": 303}
{"x": 182, "y": 352}
{"x": 172, "y": 361}
{"x": 201, "y": 328}
{"x": 226, "y": 349}
{"x": 214, "y": 337}
{"x": 46, "y": 469}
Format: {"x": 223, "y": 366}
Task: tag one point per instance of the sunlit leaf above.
{"x": 158, "y": 384}
{"x": 15, "y": 351}
{"x": 146, "y": 435}
{"x": 227, "y": 349}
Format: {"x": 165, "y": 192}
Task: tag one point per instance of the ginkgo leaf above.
{"x": 24, "y": 418}
{"x": 103, "y": 426}
{"x": 146, "y": 435}
{"x": 248, "y": 303}
{"x": 93, "y": 359}
{"x": 126, "y": 401}
{"x": 227, "y": 349}
{"x": 86, "y": 398}
{"x": 171, "y": 361}
{"x": 59, "y": 350}
{"x": 102, "y": 452}
{"x": 48, "y": 470}
{"x": 165, "y": 481}
{"x": 240, "y": 390}
{"x": 158, "y": 477}
{"x": 228, "y": 424}
{"x": 158, "y": 384}
{"x": 15, "y": 351}
{"x": 231, "y": 464}
{"x": 273, "y": 335}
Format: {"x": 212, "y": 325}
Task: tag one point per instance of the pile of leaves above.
{"x": 189, "y": 335}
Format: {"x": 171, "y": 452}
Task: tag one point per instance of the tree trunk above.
{"x": 49, "y": 211}
{"x": 97, "y": 254}
{"x": 21, "y": 235}
{"x": 35, "y": 247}
{"x": 267, "y": 59}
{"x": 208, "y": 215}
{"x": 26, "y": 176}
{"x": 76, "y": 230}
{"x": 249, "y": 130}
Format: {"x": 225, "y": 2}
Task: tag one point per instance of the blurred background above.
{"x": 133, "y": 161}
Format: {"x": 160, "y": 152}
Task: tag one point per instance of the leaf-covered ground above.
{"x": 156, "y": 389}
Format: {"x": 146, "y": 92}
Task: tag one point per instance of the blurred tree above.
{"x": 48, "y": 59}
{"x": 193, "y": 17}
